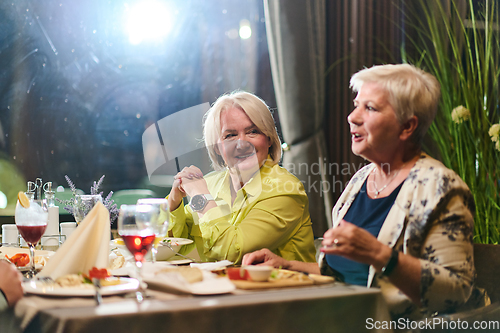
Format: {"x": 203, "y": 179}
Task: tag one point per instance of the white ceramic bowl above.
{"x": 164, "y": 252}
{"x": 259, "y": 273}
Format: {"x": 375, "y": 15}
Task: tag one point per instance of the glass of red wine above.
{"x": 160, "y": 225}
{"x": 134, "y": 226}
{"x": 31, "y": 221}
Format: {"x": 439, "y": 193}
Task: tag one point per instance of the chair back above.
{"x": 130, "y": 196}
{"x": 487, "y": 262}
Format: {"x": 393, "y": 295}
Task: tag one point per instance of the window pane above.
{"x": 81, "y": 81}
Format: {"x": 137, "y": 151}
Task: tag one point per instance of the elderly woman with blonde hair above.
{"x": 249, "y": 201}
{"x": 404, "y": 223}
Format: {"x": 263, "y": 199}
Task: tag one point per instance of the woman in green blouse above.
{"x": 249, "y": 201}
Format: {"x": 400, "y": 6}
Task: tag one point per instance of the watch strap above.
{"x": 208, "y": 197}
{"x": 391, "y": 263}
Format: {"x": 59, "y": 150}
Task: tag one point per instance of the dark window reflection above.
{"x": 76, "y": 93}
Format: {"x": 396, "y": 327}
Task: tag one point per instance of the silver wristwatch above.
{"x": 199, "y": 202}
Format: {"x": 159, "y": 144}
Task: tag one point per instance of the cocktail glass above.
{"x": 31, "y": 222}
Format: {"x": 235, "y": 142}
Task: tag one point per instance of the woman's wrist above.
{"x": 391, "y": 263}
{"x": 173, "y": 202}
{"x": 382, "y": 258}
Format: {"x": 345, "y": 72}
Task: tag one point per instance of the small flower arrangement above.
{"x": 76, "y": 204}
{"x": 460, "y": 114}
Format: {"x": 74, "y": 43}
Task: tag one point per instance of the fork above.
{"x": 45, "y": 279}
{"x": 177, "y": 253}
{"x": 97, "y": 296}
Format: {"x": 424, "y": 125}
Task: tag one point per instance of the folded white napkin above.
{"x": 210, "y": 266}
{"x": 86, "y": 247}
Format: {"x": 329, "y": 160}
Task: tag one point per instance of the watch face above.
{"x": 198, "y": 202}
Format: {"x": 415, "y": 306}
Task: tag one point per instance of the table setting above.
{"x": 99, "y": 278}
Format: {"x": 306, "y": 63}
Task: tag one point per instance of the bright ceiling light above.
{"x": 148, "y": 21}
{"x": 245, "y": 30}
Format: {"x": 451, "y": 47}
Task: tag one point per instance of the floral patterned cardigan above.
{"x": 432, "y": 220}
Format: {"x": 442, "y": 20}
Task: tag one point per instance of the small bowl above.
{"x": 259, "y": 273}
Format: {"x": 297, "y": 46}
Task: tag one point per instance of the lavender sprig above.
{"x": 94, "y": 189}
{"x": 71, "y": 185}
{"x": 71, "y": 205}
{"x": 112, "y": 207}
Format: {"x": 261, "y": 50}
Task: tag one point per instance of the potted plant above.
{"x": 460, "y": 45}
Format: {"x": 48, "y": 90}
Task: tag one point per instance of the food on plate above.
{"x": 23, "y": 199}
{"x": 243, "y": 273}
{"x": 41, "y": 260}
{"x": 118, "y": 241}
{"x": 322, "y": 278}
{"x": 190, "y": 274}
{"x": 85, "y": 280}
{"x": 236, "y": 273}
{"x": 117, "y": 262}
{"x": 169, "y": 241}
{"x": 20, "y": 256}
{"x": 98, "y": 273}
{"x": 19, "y": 259}
{"x": 291, "y": 275}
{"x": 73, "y": 280}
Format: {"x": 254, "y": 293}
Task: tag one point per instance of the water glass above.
{"x": 84, "y": 204}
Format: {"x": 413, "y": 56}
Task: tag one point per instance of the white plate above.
{"x": 10, "y": 251}
{"x": 44, "y": 288}
{"x": 129, "y": 267}
{"x": 211, "y": 284}
{"x": 164, "y": 252}
{"x": 178, "y": 261}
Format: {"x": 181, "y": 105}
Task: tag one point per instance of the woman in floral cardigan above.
{"x": 404, "y": 223}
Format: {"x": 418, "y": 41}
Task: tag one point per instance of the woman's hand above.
{"x": 264, "y": 257}
{"x": 267, "y": 258}
{"x": 10, "y": 282}
{"x": 352, "y": 242}
{"x": 190, "y": 182}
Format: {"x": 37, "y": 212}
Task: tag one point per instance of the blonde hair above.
{"x": 412, "y": 92}
{"x": 258, "y": 112}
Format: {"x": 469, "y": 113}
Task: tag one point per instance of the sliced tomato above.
{"x": 235, "y": 273}
{"x": 20, "y": 259}
{"x": 98, "y": 273}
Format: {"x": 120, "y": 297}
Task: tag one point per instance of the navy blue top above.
{"x": 368, "y": 214}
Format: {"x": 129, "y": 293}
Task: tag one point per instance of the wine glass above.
{"x": 84, "y": 204}
{"x": 31, "y": 222}
{"x": 134, "y": 226}
{"x": 159, "y": 225}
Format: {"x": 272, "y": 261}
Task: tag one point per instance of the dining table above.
{"x": 335, "y": 307}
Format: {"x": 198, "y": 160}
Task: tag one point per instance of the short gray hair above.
{"x": 412, "y": 92}
{"x": 258, "y": 112}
